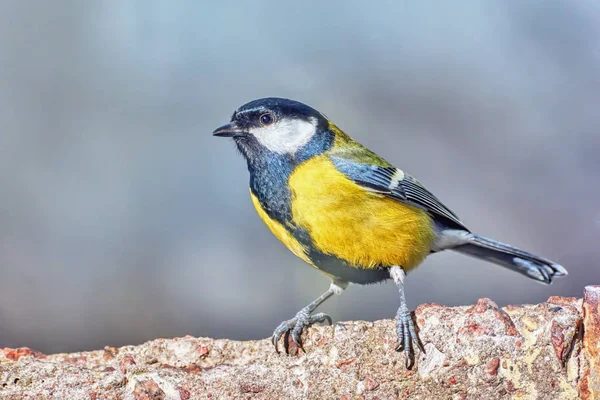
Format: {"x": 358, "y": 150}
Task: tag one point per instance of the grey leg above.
{"x": 303, "y": 318}
{"x": 405, "y": 327}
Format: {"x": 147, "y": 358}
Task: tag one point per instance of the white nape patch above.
{"x": 286, "y": 136}
{"x": 396, "y": 178}
{"x": 450, "y": 238}
{"x": 337, "y": 287}
{"x": 398, "y": 275}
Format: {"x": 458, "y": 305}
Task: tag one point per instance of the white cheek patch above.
{"x": 287, "y": 135}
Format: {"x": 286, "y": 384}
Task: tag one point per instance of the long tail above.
{"x": 512, "y": 258}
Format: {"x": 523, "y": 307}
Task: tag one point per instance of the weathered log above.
{"x": 544, "y": 351}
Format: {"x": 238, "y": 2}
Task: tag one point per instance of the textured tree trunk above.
{"x": 544, "y": 351}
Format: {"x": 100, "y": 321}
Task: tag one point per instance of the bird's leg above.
{"x": 303, "y": 318}
{"x": 405, "y": 326}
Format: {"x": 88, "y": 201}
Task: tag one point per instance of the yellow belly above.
{"x": 365, "y": 229}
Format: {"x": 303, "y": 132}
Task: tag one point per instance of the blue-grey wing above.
{"x": 396, "y": 184}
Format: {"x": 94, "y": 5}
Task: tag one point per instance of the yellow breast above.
{"x": 364, "y": 228}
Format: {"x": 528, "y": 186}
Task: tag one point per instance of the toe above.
{"x": 320, "y": 317}
{"x": 294, "y": 327}
{"x": 408, "y": 346}
{"x": 413, "y": 334}
{"x": 275, "y": 339}
{"x": 297, "y": 335}
{"x": 409, "y": 358}
{"x": 401, "y": 339}
{"x": 400, "y": 334}
{"x": 286, "y": 341}
{"x": 282, "y": 329}
{"x": 408, "y": 338}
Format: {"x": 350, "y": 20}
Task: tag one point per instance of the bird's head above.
{"x": 274, "y": 125}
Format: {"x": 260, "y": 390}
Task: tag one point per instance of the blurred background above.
{"x": 122, "y": 219}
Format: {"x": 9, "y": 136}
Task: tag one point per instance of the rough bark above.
{"x": 544, "y": 351}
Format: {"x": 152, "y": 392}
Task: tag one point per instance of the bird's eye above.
{"x": 267, "y": 119}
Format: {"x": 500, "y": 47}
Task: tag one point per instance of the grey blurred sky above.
{"x": 122, "y": 219}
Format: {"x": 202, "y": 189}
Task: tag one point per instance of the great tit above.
{"x": 348, "y": 212}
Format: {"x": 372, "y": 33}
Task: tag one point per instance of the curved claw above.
{"x": 286, "y": 342}
{"x": 294, "y": 328}
{"x": 280, "y": 331}
{"x": 407, "y": 337}
{"x": 415, "y": 336}
{"x": 296, "y": 333}
{"x": 275, "y": 341}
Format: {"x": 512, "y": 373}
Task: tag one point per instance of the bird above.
{"x": 349, "y": 213}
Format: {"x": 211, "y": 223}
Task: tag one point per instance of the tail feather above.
{"x": 512, "y": 258}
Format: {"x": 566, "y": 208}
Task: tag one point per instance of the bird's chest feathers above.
{"x": 269, "y": 184}
{"x": 280, "y": 231}
{"x": 364, "y": 228}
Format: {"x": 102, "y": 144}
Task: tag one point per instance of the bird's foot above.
{"x": 294, "y": 328}
{"x": 407, "y": 336}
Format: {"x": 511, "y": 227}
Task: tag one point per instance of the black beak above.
{"x": 228, "y": 130}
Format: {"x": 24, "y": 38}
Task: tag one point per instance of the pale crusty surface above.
{"x": 476, "y": 352}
